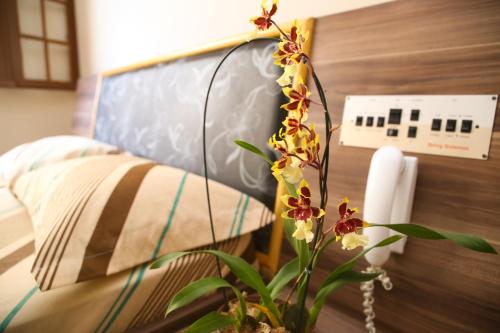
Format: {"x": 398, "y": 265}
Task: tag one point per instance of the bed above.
{"x": 136, "y": 109}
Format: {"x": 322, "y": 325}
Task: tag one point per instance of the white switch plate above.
{"x": 480, "y": 109}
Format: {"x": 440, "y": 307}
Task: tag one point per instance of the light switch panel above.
{"x": 448, "y": 125}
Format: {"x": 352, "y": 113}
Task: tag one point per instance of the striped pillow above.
{"x": 99, "y": 215}
{"x": 33, "y": 155}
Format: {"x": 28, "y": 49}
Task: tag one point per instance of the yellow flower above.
{"x": 292, "y": 173}
{"x": 352, "y": 240}
{"x": 288, "y": 75}
{"x": 299, "y": 97}
{"x": 303, "y": 231}
{"x": 290, "y": 48}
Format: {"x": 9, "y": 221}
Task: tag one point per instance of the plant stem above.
{"x": 323, "y": 177}
{"x": 281, "y": 31}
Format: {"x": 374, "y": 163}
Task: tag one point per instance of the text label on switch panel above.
{"x": 449, "y": 125}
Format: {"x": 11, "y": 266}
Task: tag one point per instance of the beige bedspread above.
{"x": 115, "y": 303}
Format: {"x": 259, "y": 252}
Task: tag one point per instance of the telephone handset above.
{"x": 388, "y": 199}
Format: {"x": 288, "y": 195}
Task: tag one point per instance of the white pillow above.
{"x": 33, "y": 155}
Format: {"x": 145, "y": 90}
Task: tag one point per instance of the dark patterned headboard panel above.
{"x": 157, "y": 112}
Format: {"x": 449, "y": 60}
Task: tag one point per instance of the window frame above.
{"x": 13, "y": 55}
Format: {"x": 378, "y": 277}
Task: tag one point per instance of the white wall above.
{"x": 29, "y": 114}
{"x": 113, "y": 33}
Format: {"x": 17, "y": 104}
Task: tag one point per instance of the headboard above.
{"x": 155, "y": 110}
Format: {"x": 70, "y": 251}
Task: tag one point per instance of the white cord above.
{"x": 368, "y": 300}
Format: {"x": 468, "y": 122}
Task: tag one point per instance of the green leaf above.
{"x": 166, "y": 259}
{"x": 292, "y": 316}
{"x": 242, "y": 309}
{"x": 349, "y": 265}
{"x": 321, "y": 249}
{"x": 253, "y": 149}
{"x": 211, "y": 322}
{"x": 243, "y": 271}
{"x": 287, "y": 273}
{"x": 289, "y": 228}
{"x": 471, "y": 242}
{"x": 323, "y": 293}
{"x": 304, "y": 254}
{"x": 195, "y": 290}
{"x": 249, "y": 276}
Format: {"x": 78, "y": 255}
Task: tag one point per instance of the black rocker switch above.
{"x": 451, "y": 125}
{"x": 380, "y": 121}
{"x": 392, "y": 132}
{"x": 369, "y": 121}
{"x": 436, "y": 124}
{"x": 395, "y": 116}
{"x": 415, "y": 114}
{"x": 359, "y": 121}
{"x": 466, "y": 126}
{"x": 412, "y": 132}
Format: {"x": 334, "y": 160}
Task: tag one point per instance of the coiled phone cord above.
{"x": 368, "y": 300}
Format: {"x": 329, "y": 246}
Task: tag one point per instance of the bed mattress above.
{"x": 122, "y": 301}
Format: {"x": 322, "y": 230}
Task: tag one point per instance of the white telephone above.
{"x": 388, "y": 199}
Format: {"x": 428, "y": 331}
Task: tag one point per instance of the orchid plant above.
{"x": 298, "y": 146}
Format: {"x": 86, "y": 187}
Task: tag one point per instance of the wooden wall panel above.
{"x": 86, "y": 93}
{"x": 420, "y": 47}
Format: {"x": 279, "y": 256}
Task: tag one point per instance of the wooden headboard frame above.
{"x": 85, "y": 125}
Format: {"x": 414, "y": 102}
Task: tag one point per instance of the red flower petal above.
{"x": 342, "y": 209}
{"x": 355, "y": 222}
{"x": 273, "y": 10}
{"x": 316, "y": 211}
{"x": 293, "y": 202}
{"x": 303, "y": 214}
{"x": 304, "y": 191}
{"x": 293, "y": 34}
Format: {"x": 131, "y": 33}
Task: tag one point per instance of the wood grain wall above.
{"x": 412, "y": 47}
{"x": 420, "y": 47}
{"x": 86, "y": 97}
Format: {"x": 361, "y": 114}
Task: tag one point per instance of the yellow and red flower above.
{"x": 289, "y": 72}
{"x": 288, "y": 164}
{"x": 293, "y": 127}
{"x": 303, "y": 231}
{"x": 298, "y": 99}
{"x": 300, "y": 208}
{"x": 309, "y": 148}
{"x": 264, "y": 21}
{"x": 290, "y": 49}
{"x": 347, "y": 224}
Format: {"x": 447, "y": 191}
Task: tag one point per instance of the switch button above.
{"x": 412, "y": 132}
{"x": 369, "y": 121}
{"x": 380, "y": 121}
{"x": 436, "y": 124}
{"x": 395, "y": 116}
{"x": 451, "y": 125}
{"x": 359, "y": 121}
{"x": 392, "y": 132}
{"x": 466, "y": 126}
{"x": 415, "y": 114}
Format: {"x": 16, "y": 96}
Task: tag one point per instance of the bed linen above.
{"x": 100, "y": 215}
{"x": 122, "y": 301}
{"x": 36, "y": 154}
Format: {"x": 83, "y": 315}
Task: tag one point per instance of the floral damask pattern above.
{"x": 157, "y": 113}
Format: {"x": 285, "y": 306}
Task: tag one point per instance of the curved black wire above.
{"x": 205, "y": 109}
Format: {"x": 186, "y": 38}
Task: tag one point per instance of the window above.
{"x": 38, "y": 44}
